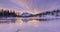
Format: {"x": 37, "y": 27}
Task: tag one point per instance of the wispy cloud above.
{"x": 7, "y": 4}
{"x": 32, "y": 6}
{"x": 38, "y": 5}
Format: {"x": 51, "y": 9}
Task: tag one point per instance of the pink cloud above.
{"x": 37, "y": 5}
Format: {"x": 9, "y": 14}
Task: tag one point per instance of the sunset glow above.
{"x": 30, "y": 5}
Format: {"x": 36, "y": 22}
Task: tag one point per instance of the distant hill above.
{"x": 52, "y": 13}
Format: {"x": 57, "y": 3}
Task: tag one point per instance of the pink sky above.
{"x": 30, "y": 5}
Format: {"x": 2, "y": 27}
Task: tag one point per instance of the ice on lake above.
{"x": 16, "y": 24}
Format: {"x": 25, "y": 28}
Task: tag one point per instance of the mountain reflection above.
{"x": 27, "y": 20}
{"x": 24, "y": 20}
{"x": 18, "y": 20}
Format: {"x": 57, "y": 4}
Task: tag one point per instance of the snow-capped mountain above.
{"x": 24, "y": 14}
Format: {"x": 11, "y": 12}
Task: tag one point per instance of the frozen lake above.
{"x": 16, "y": 24}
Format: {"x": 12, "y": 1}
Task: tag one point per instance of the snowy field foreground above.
{"x": 31, "y": 26}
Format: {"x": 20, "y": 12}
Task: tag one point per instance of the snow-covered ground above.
{"x": 31, "y": 26}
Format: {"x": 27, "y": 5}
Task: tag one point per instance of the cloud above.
{"x": 38, "y": 5}
{"x": 22, "y": 3}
